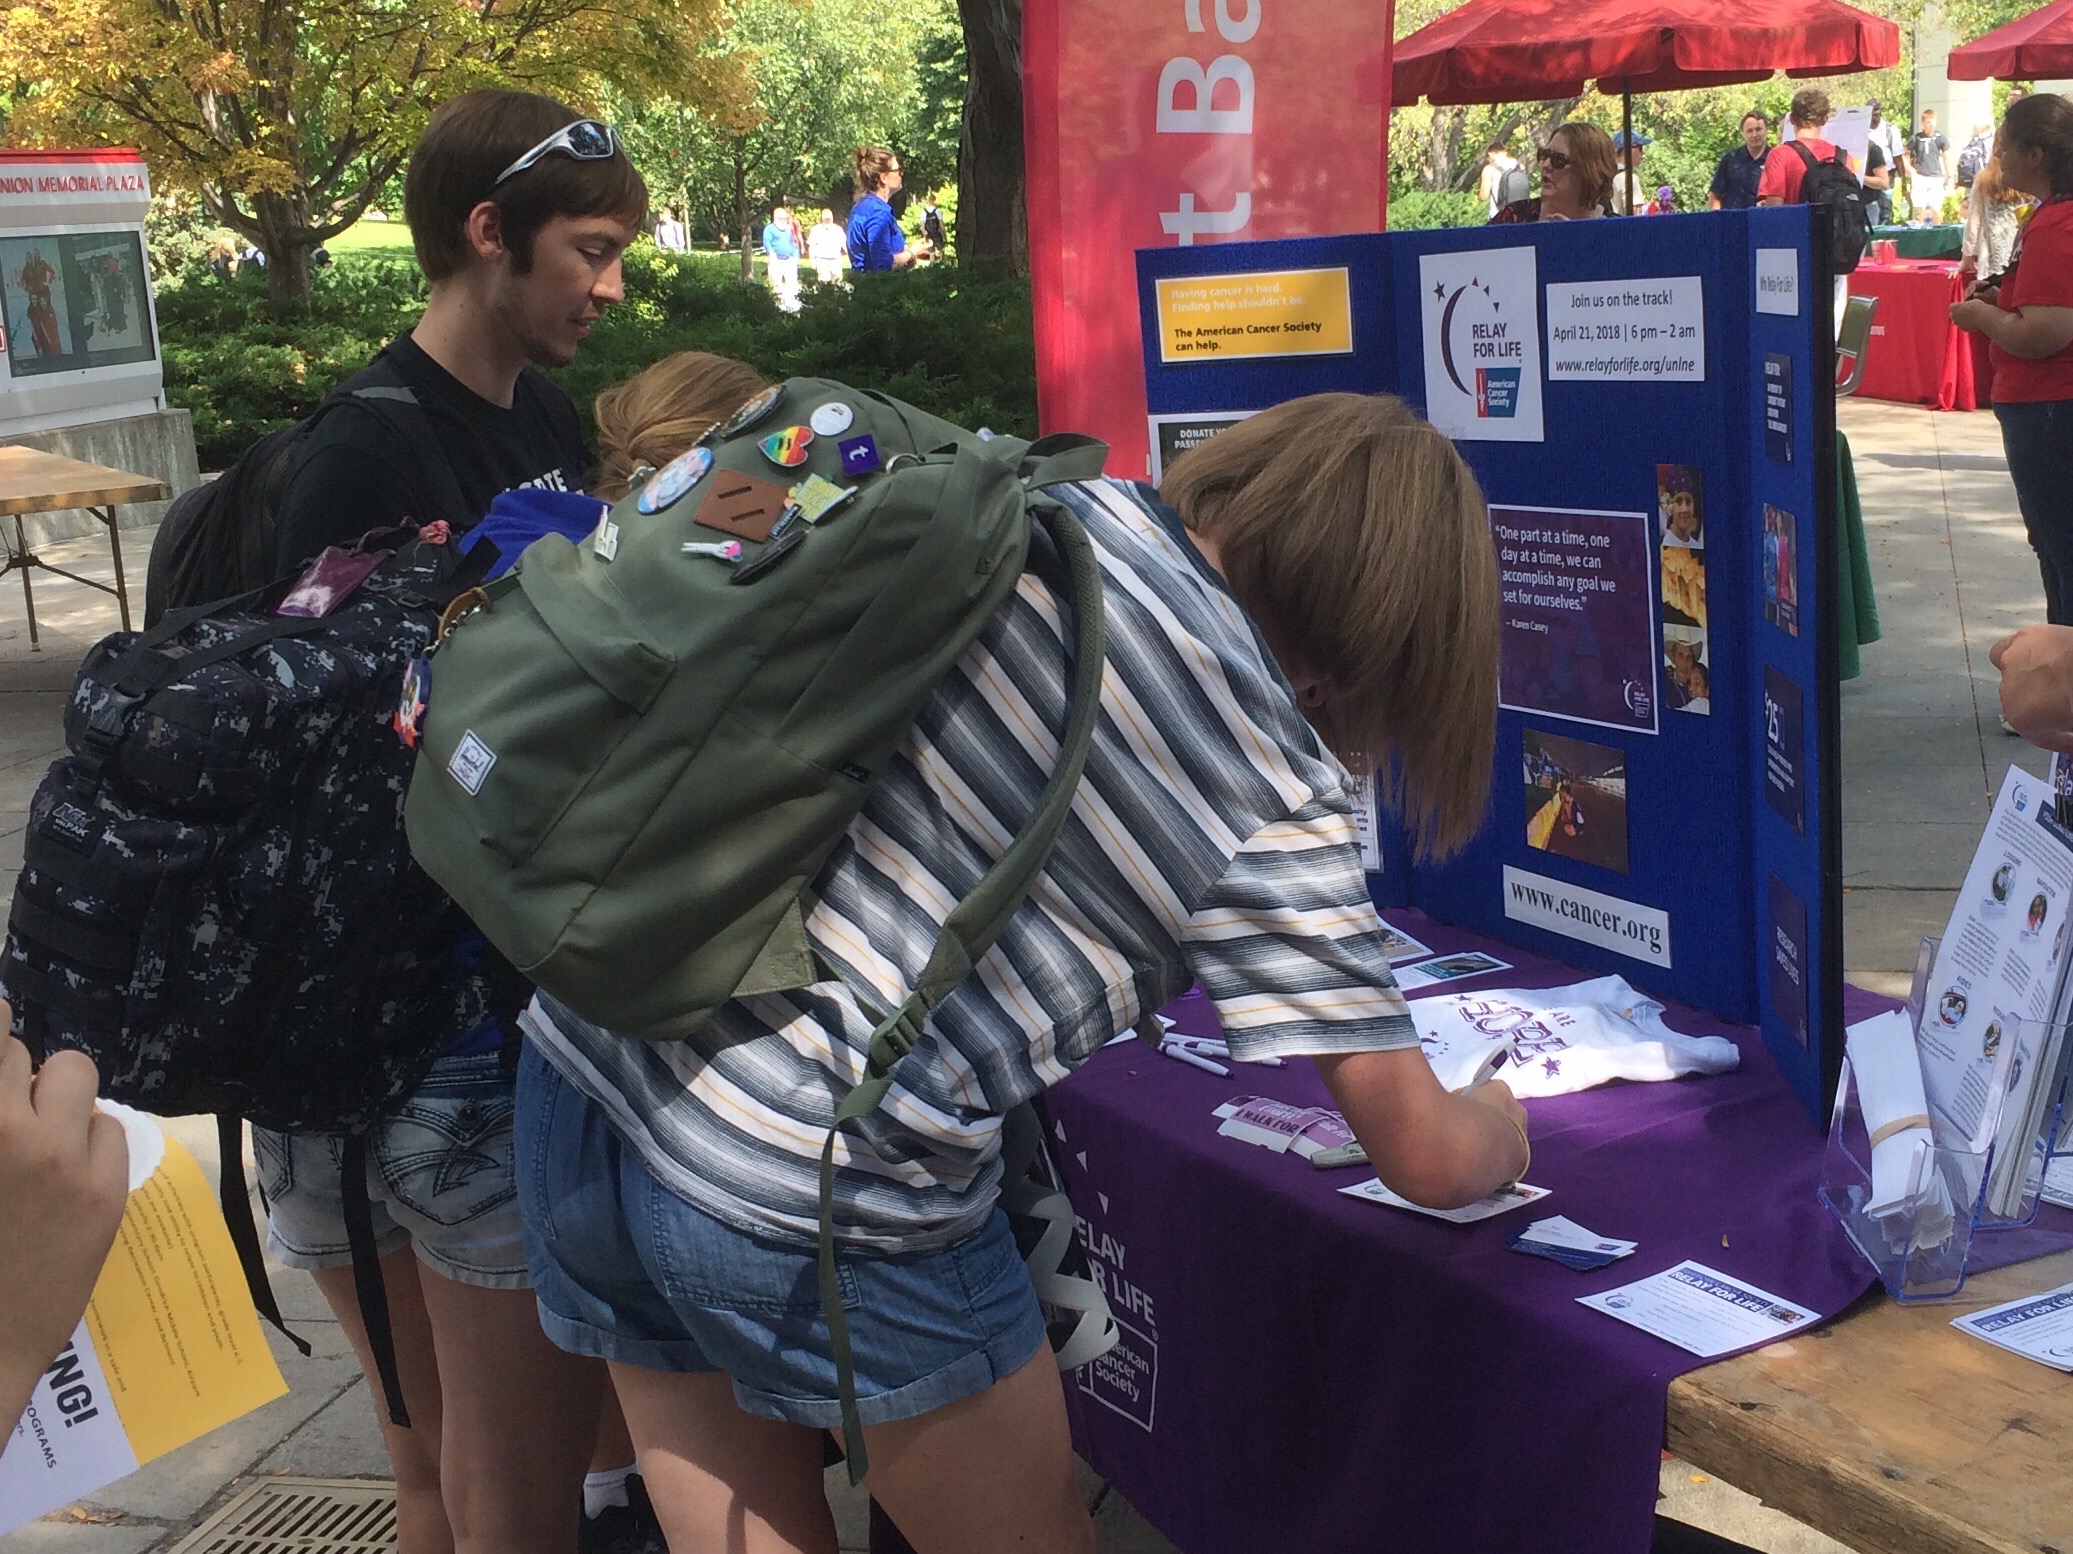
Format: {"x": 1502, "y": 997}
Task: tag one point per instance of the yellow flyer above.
{"x": 170, "y": 1347}
{"x": 1271, "y": 313}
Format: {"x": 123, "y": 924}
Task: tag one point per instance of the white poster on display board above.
{"x": 1482, "y": 344}
{"x": 1651, "y": 330}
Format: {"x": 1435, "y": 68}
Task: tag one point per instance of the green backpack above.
{"x": 637, "y": 751}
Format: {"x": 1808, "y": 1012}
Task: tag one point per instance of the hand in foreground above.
{"x": 64, "y": 1174}
{"x": 2036, "y": 667}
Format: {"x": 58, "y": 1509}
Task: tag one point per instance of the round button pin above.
{"x": 668, "y": 484}
{"x": 832, "y": 419}
{"x": 752, "y": 412}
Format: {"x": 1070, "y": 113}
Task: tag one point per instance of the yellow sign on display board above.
{"x": 1271, "y": 313}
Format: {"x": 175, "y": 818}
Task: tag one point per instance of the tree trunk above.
{"x": 280, "y": 225}
{"x": 992, "y": 199}
{"x": 288, "y": 276}
{"x": 741, "y": 218}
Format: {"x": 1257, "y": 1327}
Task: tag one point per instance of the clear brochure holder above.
{"x": 1922, "y": 1243}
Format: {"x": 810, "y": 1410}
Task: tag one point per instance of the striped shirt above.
{"x": 1211, "y": 841}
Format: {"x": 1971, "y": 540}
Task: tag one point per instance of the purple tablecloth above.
{"x": 1301, "y": 1370}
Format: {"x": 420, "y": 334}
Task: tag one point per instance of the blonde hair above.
{"x": 1990, "y": 188}
{"x": 1357, "y": 538}
{"x": 1590, "y": 148}
{"x": 651, "y": 418}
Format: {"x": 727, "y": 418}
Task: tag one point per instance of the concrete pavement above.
{"x": 1922, "y": 752}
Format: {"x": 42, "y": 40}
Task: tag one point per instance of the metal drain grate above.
{"x": 301, "y": 1516}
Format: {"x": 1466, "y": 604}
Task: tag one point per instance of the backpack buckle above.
{"x": 104, "y": 731}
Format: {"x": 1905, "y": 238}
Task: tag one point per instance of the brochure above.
{"x": 170, "y": 1347}
{"x": 1702, "y": 1310}
{"x": 2037, "y": 1327}
{"x": 1991, "y": 1036}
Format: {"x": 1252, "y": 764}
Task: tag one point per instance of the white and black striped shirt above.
{"x": 1211, "y": 842}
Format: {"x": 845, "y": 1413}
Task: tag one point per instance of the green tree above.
{"x": 288, "y": 117}
{"x": 815, "y": 80}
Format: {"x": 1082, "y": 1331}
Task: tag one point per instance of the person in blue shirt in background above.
{"x": 875, "y": 240}
{"x": 781, "y": 258}
{"x": 1741, "y": 169}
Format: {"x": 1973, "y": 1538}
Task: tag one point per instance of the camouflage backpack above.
{"x": 216, "y": 902}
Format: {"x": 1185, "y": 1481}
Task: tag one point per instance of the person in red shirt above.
{"x": 2028, "y": 322}
{"x": 1783, "y": 170}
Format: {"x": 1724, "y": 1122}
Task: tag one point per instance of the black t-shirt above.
{"x": 1874, "y": 159}
{"x": 350, "y": 476}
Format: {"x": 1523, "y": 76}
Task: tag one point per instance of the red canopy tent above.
{"x": 1510, "y": 51}
{"x": 2030, "y": 48}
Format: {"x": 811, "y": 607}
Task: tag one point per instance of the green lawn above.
{"x": 387, "y": 237}
{"x": 392, "y": 238}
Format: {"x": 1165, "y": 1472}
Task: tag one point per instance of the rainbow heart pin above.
{"x": 787, "y": 449}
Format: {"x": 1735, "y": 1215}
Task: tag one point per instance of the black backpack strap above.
{"x": 367, "y": 1280}
{"x": 1805, "y": 156}
{"x": 237, "y": 1216}
{"x": 976, "y": 921}
{"x": 397, "y": 407}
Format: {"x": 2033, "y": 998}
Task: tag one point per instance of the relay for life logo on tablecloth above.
{"x": 1482, "y": 344}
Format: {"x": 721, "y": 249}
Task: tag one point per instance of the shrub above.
{"x": 957, "y": 347}
{"x": 1426, "y": 208}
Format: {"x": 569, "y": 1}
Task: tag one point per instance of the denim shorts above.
{"x": 626, "y": 1270}
{"x": 438, "y": 1180}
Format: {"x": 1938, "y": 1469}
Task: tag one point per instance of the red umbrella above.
{"x": 2037, "y": 47}
{"x": 1509, "y": 51}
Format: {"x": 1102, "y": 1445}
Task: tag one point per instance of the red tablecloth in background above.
{"x": 1917, "y": 355}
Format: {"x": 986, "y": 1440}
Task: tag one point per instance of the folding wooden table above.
{"x": 32, "y": 481}
{"x": 1892, "y": 1431}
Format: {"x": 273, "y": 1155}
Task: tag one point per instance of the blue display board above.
{"x": 1646, "y": 404}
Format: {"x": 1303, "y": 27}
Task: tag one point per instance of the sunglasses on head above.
{"x": 1551, "y": 158}
{"x": 587, "y": 140}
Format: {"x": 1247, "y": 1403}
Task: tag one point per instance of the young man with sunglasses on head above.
{"x": 519, "y": 210}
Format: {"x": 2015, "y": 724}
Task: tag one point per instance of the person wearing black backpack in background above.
{"x": 1808, "y": 170}
{"x": 519, "y": 210}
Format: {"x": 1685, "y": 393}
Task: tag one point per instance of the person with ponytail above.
{"x": 875, "y": 240}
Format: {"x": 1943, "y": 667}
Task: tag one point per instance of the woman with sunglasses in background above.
{"x": 875, "y": 239}
{"x": 1577, "y": 167}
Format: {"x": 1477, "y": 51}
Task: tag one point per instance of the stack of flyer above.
{"x": 170, "y": 1347}
{"x": 1992, "y": 1032}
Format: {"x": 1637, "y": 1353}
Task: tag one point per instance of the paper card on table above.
{"x": 1501, "y": 1201}
{"x": 169, "y": 1350}
{"x": 1567, "y": 1256}
{"x": 2037, "y": 1327}
{"x": 1447, "y": 968}
{"x": 1702, "y": 1310}
{"x": 1559, "y": 1230}
{"x": 1398, "y": 945}
{"x": 1272, "y": 1124}
{"x": 1564, "y": 1241}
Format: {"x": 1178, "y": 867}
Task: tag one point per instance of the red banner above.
{"x": 1182, "y": 121}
